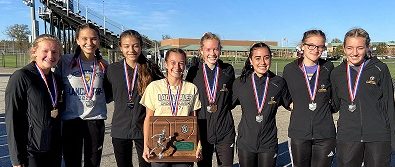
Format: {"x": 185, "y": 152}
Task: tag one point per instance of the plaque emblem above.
{"x": 184, "y": 129}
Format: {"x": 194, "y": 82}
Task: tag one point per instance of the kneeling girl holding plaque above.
{"x": 175, "y": 98}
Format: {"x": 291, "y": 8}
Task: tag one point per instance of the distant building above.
{"x": 230, "y": 48}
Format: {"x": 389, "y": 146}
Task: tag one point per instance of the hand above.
{"x": 21, "y": 165}
{"x": 146, "y": 154}
{"x": 199, "y": 154}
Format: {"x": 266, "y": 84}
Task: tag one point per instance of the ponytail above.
{"x": 247, "y": 70}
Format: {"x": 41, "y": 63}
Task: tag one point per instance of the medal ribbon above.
{"x": 55, "y": 96}
{"x": 352, "y": 92}
{"x": 211, "y": 91}
{"x": 174, "y": 102}
{"x": 89, "y": 94}
{"x": 258, "y": 104}
{"x": 130, "y": 87}
{"x": 313, "y": 92}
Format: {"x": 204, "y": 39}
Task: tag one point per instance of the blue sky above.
{"x": 234, "y": 19}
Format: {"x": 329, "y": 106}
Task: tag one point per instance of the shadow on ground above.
{"x": 283, "y": 158}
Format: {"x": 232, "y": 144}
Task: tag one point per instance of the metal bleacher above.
{"x": 64, "y": 16}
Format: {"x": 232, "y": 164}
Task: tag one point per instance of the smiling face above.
{"x": 131, "y": 48}
{"x": 175, "y": 65}
{"x": 210, "y": 51}
{"x": 355, "y": 49}
{"x": 260, "y": 60}
{"x": 88, "y": 40}
{"x": 313, "y": 47}
{"x": 46, "y": 54}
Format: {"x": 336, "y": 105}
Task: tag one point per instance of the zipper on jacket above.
{"x": 311, "y": 125}
{"x": 360, "y": 115}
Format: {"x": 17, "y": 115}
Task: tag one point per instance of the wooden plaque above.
{"x": 173, "y": 138}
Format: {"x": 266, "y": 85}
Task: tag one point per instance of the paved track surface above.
{"x": 108, "y": 159}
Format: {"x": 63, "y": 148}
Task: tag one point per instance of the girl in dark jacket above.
{"x": 311, "y": 130}
{"x": 259, "y": 92}
{"x": 128, "y": 79}
{"x": 364, "y": 96}
{"x": 31, "y": 105}
{"x": 214, "y": 80}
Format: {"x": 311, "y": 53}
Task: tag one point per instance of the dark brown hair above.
{"x": 77, "y": 52}
{"x": 247, "y": 69}
{"x": 148, "y": 71}
{"x": 175, "y": 50}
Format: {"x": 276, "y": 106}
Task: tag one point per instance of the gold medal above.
{"x": 212, "y": 108}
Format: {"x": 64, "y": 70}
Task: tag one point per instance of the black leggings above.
{"x": 250, "y": 159}
{"x": 44, "y": 159}
{"x": 224, "y": 153}
{"x": 87, "y": 133}
{"x": 123, "y": 150}
{"x": 373, "y": 154}
{"x": 317, "y": 152}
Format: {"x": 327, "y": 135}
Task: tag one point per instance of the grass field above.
{"x": 278, "y": 64}
{"x": 14, "y": 61}
{"x": 20, "y": 60}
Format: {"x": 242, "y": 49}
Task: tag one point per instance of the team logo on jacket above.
{"x": 371, "y": 80}
{"x": 272, "y": 101}
{"x": 224, "y": 89}
{"x": 322, "y": 89}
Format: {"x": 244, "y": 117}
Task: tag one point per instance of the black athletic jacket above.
{"x": 28, "y": 106}
{"x": 217, "y": 127}
{"x": 126, "y": 123}
{"x": 304, "y": 123}
{"x": 253, "y": 136}
{"x": 374, "y": 118}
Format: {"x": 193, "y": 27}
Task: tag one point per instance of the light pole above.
{"x": 31, "y": 4}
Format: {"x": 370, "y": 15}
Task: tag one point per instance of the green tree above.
{"x": 339, "y": 51}
{"x": 381, "y": 49}
{"x": 336, "y": 40}
{"x": 19, "y": 33}
{"x": 166, "y": 36}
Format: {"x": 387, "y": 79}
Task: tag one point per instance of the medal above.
{"x": 259, "y": 104}
{"x": 259, "y": 118}
{"x": 312, "y": 93}
{"x": 312, "y": 106}
{"x": 174, "y": 101}
{"x": 54, "y": 97}
{"x": 352, "y": 107}
{"x": 89, "y": 103}
{"x": 130, "y": 87}
{"x": 211, "y": 91}
{"x": 54, "y": 113}
{"x": 212, "y": 108}
{"x": 352, "y": 93}
{"x": 88, "y": 88}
